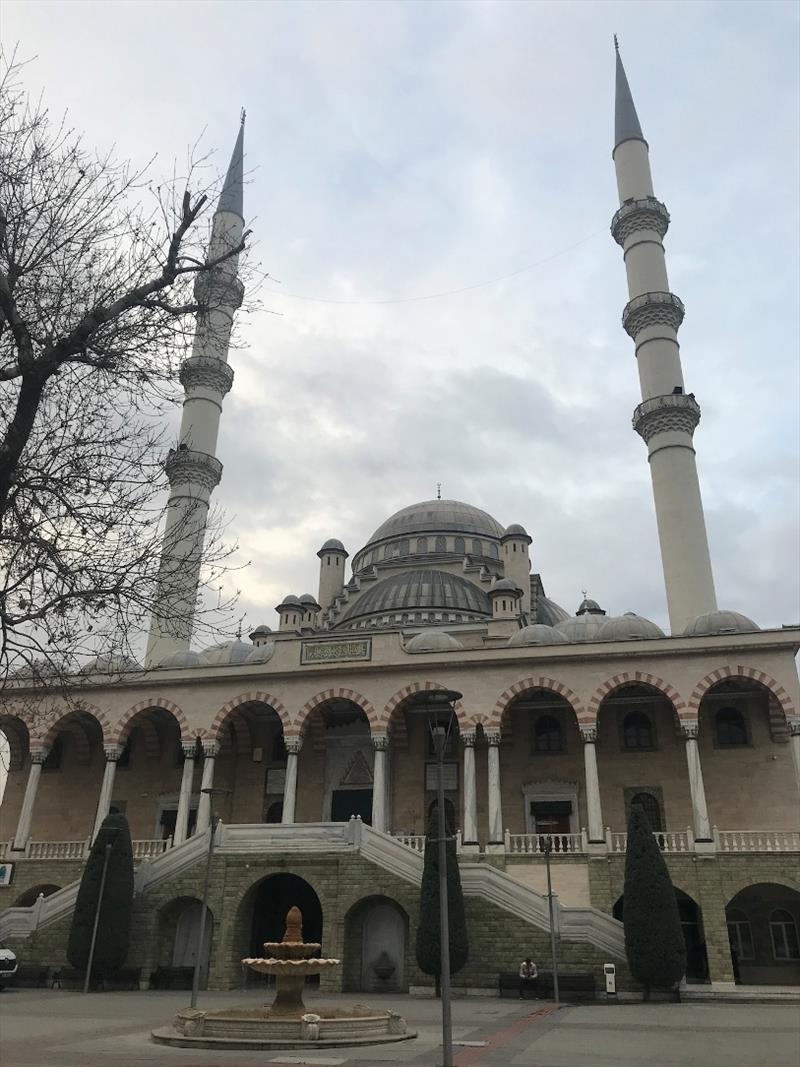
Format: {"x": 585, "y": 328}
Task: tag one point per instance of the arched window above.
{"x": 274, "y": 812}
{"x": 547, "y": 735}
{"x": 460, "y": 546}
{"x": 783, "y": 930}
{"x": 740, "y": 935}
{"x": 637, "y": 731}
{"x": 477, "y": 547}
{"x": 449, "y": 814}
{"x": 54, "y": 756}
{"x": 494, "y": 552}
{"x": 652, "y": 809}
{"x": 422, "y": 545}
{"x": 730, "y": 728}
{"x": 441, "y": 544}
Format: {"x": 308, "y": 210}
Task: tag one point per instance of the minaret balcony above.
{"x": 218, "y": 288}
{"x": 206, "y": 372}
{"x": 184, "y": 465}
{"x": 652, "y": 309}
{"x": 662, "y": 414}
{"x": 634, "y": 216}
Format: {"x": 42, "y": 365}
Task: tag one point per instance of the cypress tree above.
{"x": 654, "y": 941}
{"x": 113, "y": 930}
{"x": 429, "y": 950}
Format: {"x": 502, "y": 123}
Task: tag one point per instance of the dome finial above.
{"x": 438, "y": 490}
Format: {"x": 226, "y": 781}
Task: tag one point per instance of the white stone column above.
{"x": 594, "y": 810}
{"x": 38, "y": 756}
{"x": 470, "y": 828}
{"x": 495, "y": 800}
{"x": 381, "y": 745}
{"x": 794, "y": 741}
{"x": 112, "y": 754}
{"x": 702, "y": 826}
{"x": 293, "y": 746}
{"x": 210, "y": 753}
{"x": 185, "y": 795}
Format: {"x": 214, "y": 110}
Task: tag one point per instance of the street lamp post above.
{"x": 198, "y": 960}
{"x": 434, "y": 701}
{"x": 111, "y": 835}
{"x": 548, "y": 848}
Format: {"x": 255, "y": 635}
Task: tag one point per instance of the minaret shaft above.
{"x": 193, "y": 469}
{"x": 667, "y": 417}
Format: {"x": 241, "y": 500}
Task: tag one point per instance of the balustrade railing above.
{"x": 415, "y": 841}
{"x": 668, "y": 840}
{"x": 56, "y": 850}
{"x": 757, "y": 840}
{"x": 533, "y": 844}
{"x": 153, "y": 847}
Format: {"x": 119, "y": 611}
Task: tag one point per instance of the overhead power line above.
{"x": 446, "y": 292}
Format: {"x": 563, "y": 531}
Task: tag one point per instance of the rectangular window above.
{"x": 741, "y": 939}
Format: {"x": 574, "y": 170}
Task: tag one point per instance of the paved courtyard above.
{"x": 58, "y": 1029}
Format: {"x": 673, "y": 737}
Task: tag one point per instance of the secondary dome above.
{"x": 720, "y": 622}
{"x": 586, "y": 627}
{"x": 538, "y": 634}
{"x": 412, "y": 593}
{"x": 432, "y": 641}
{"x": 433, "y": 526}
{"x": 629, "y": 627}
{"x": 225, "y": 653}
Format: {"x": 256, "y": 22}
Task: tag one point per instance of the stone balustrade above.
{"x": 668, "y": 841}
{"x": 78, "y": 850}
{"x": 532, "y": 844}
{"x": 757, "y": 840}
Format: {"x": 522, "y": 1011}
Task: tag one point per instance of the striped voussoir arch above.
{"x": 640, "y": 678}
{"x": 123, "y": 726}
{"x": 410, "y": 690}
{"x": 505, "y": 698}
{"x": 298, "y": 726}
{"x": 214, "y": 732}
{"x": 45, "y": 738}
{"x": 739, "y": 671}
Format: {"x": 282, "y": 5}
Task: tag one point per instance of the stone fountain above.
{"x": 285, "y": 1023}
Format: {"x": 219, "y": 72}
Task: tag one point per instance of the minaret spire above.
{"x": 193, "y": 469}
{"x": 667, "y": 417}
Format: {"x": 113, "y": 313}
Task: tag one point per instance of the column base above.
{"x": 496, "y": 848}
{"x": 596, "y": 848}
{"x": 470, "y": 848}
{"x": 705, "y": 847}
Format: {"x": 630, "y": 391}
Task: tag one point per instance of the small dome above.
{"x": 309, "y": 601}
{"x": 260, "y": 653}
{"x": 586, "y": 627}
{"x": 538, "y": 634}
{"x": 227, "y": 652}
{"x": 333, "y": 544}
{"x": 589, "y": 607}
{"x": 720, "y": 622}
{"x": 288, "y": 602}
{"x": 187, "y": 658}
{"x": 629, "y": 627}
{"x": 260, "y": 631}
{"x": 515, "y": 530}
{"x": 111, "y": 664}
{"x": 432, "y": 641}
{"x": 505, "y": 585}
{"x": 550, "y": 613}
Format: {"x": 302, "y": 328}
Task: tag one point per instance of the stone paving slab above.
{"x": 52, "y": 1028}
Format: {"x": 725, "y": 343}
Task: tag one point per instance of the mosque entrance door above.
{"x": 347, "y": 802}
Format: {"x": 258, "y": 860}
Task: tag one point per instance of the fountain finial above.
{"x": 294, "y": 926}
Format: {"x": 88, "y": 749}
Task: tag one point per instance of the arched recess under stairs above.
{"x": 764, "y": 934}
{"x": 691, "y": 917}
{"x": 262, "y": 917}
{"x": 376, "y": 947}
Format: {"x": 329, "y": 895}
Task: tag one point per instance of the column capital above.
{"x": 210, "y": 749}
{"x": 293, "y": 745}
{"x": 468, "y": 738}
{"x": 588, "y": 734}
{"x": 112, "y": 753}
{"x": 39, "y": 755}
{"x": 492, "y": 737}
{"x": 689, "y": 728}
{"x": 189, "y": 748}
{"x": 380, "y": 742}
{"x": 794, "y": 726}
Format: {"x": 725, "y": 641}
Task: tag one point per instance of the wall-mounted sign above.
{"x": 449, "y": 773}
{"x": 336, "y": 651}
{"x": 276, "y": 781}
{"x": 6, "y": 873}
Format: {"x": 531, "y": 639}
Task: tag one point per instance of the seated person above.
{"x": 527, "y": 977}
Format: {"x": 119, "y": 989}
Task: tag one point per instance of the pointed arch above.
{"x": 638, "y": 678}
{"x": 214, "y": 731}
{"x": 366, "y": 706}
{"x": 123, "y": 726}
{"x": 410, "y": 690}
{"x": 739, "y": 671}
{"x": 505, "y": 698}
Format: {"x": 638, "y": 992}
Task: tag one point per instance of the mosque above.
{"x": 316, "y": 737}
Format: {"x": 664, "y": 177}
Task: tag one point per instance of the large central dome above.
{"x": 443, "y": 527}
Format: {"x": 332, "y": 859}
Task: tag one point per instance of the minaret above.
{"x": 193, "y": 469}
{"x": 667, "y": 417}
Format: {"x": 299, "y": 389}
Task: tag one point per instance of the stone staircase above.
{"x": 354, "y": 837}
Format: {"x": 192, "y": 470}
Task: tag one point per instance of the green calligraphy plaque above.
{"x": 336, "y": 651}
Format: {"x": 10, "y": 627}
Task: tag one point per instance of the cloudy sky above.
{"x": 400, "y": 151}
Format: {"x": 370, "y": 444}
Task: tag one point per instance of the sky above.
{"x": 400, "y": 151}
